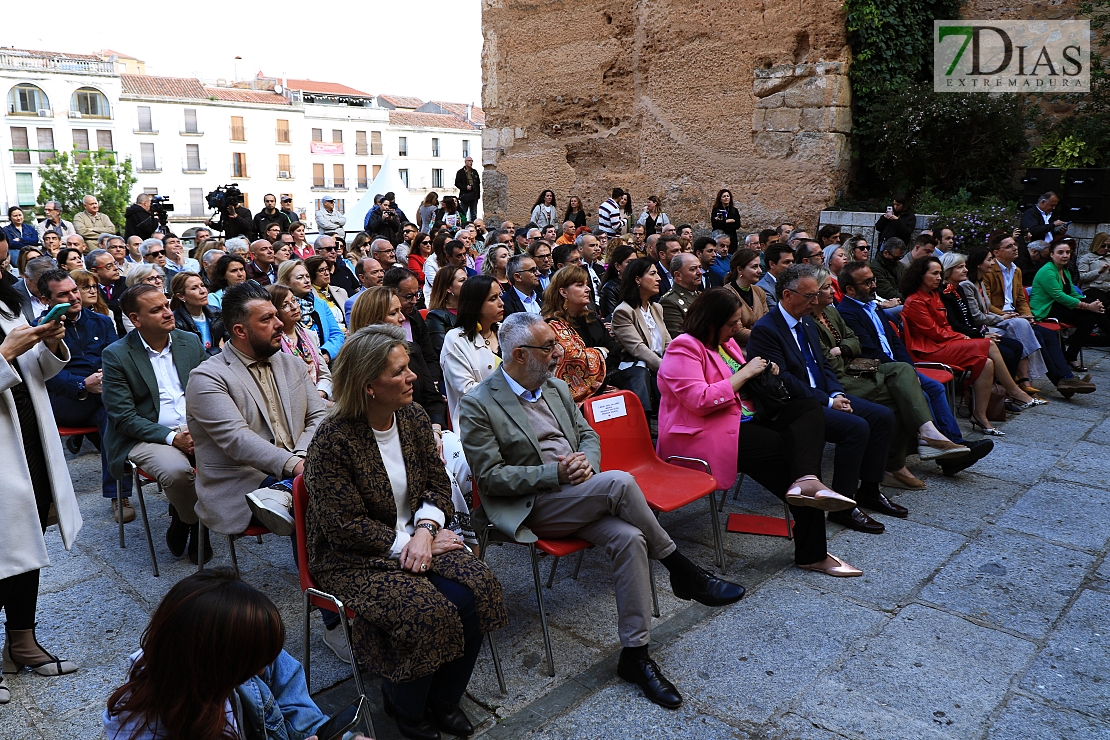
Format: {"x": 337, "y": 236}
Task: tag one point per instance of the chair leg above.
{"x": 355, "y": 670}
{"x": 786, "y": 516}
{"x": 138, "y": 489}
{"x": 231, "y": 547}
{"x": 497, "y": 665}
{"x": 654, "y": 593}
{"x": 259, "y": 538}
{"x": 306, "y": 658}
{"x": 543, "y": 613}
{"x": 201, "y": 529}
{"x": 578, "y": 564}
{"x": 551, "y": 575}
{"x": 718, "y": 541}
{"x": 119, "y": 510}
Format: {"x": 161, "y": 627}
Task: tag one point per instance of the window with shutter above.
{"x": 362, "y": 181}
{"x": 46, "y": 143}
{"x": 81, "y": 143}
{"x": 192, "y": 157}
{"x": 360, "y": 143}
{"x": 146, "y": 151}
{"x": 337, "y": 176}
{"x": 238, "y": 130}
{"x": 317, "y": 134}
{"x": 191, "y": 121}
{"x": 145, "y": 123}
{"x": 376, "y": 142}
{"x": 317, "y": 175}
{"x": 196, "y": 201}
{"x": 20, "y": 146}
{"x": 283, "y": 136}
{"x": 336, "y": 136}
{"x": 104, "y": 140}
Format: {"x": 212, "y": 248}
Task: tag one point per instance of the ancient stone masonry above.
{"x": 655, "y": 96}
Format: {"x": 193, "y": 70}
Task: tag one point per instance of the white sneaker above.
{"x": 273, "y": 509}
{"x": 333, "y": 638}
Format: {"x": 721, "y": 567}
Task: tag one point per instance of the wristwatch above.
{"x": 432, "y": 527}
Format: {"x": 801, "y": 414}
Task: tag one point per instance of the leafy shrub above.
{"x": 973, "y": 225}
{"x": 1062, "y": 152}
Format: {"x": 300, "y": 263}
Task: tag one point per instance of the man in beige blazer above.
{"x": 252, "y": 411}
{"x": 538, "y": 467}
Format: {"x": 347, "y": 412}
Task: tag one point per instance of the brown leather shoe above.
{"x": 128, "y": 512}
{"x": 857, "y": 520}
{"x": 883, "y": 505}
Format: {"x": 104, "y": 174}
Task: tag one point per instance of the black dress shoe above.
{"x": 880, "y": 503}
{"x": 177, "y": 536}
{"x": 73, "y": 444}
{"x": 857, "y": 520}
{"x": 193, "y": 547}
{"x": 421, "y": 729}
{"x": 454, "y": 722}
{"x": 980, "y": 448}
{"x": 707, "y": 589}
{"x": 645, "y": 673}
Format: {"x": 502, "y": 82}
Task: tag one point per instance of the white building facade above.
{"x": 300, "y": 138}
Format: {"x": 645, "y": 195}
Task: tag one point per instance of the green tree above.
{"x": 68, "y": 179}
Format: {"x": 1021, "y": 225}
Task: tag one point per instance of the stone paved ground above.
{"x": 981, "y": 616}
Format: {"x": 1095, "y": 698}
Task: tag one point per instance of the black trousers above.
{"x": 1083, "y": 321}
{"x": 19, "y": 594}
{"x": 776, "y": 453}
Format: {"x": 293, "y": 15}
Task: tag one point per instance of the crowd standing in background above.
{"x": 433, "y": 354}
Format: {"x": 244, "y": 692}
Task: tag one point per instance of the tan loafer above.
{"x": 840, "y": 570}
{"x": 900, "y": 480}
{"x": 128, "y": 512}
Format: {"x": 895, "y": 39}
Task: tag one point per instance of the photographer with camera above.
{"x": 140, "y": 221}
{"x": 384, "y": 222}
{"x": 235, "y": 220}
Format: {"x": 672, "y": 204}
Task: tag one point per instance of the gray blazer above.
{"x": 232, "y": 438}
{"x": 25, "y": 305}
{"x": 504, "y": 452}
{"x": 767, "y": 282}
{"x": 630, "y": 330}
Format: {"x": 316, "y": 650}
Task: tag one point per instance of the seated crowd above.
{"x": 437, "y": 359}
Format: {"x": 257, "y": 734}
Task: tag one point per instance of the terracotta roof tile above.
{"x": 428, "y": 120}
{"x": 402, "y": 101}
{"x": 163, "y": 87}
{"x": 324, "y": 88}
{"x": 477, "y": 115}
{"x": 246, "y": 96}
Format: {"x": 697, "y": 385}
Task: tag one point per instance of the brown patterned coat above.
{"x": 404, "y": 628}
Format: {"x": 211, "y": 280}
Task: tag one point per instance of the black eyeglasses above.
{"x": 533, "y": 270}
{"x": 546, "y": 349}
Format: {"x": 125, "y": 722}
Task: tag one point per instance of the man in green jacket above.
{"x": 145, "y": 375}
{"x": 888, "y": 268}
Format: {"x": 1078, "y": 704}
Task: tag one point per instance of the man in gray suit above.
{"x": 34, "y": 304}
{"x": 145, "y": 377}
{"x": 252, "y": 412}
{"x": 779, "y": 257}
{"x": 538, "y": 463}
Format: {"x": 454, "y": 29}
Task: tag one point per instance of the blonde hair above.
{"x": 371, "y": 307}
{"x": 287, "y": 267}
{"x": 360, "y": 362}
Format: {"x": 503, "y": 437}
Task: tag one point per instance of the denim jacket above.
{"x": 273, "y": 706}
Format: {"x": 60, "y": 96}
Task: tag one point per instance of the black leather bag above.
{"x": 768, "y": 394}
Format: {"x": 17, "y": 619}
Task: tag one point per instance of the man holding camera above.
{"x": 235, "y": 220}
{"x": 139, "y": 220}
{"x": 385, "y": 223}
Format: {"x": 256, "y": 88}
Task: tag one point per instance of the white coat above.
{"x": 23, "y": 548}
{"x": 465, "y": 364}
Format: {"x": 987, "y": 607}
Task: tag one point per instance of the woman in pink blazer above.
{"x": 703, "y": 413}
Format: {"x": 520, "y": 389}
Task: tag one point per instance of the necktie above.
{"x": 811, "y": 363}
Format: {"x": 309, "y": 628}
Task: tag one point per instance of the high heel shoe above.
{"x": 989, "y": 431}
{"x": 1026, "y": 385}
{"x": 22, "y": 650}
{"x": 810, "y": 491}
{"x": 1028, "y": 404}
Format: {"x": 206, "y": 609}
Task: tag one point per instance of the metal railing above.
{"x": 23, "y": 156}
{"x": 329, "y": 184}
{"x": 194, "y": 166}
{"x": 239, "y": 171}
{"x": 32, "y": 61}
{"x": 154, "y": 164}
{"x": 238, "y": 133}
{"x": 286, "y": 173}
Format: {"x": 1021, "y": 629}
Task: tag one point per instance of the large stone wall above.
{"x": 675, "y": 98}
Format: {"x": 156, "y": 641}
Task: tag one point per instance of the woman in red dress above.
{"x": 930, "y": 338}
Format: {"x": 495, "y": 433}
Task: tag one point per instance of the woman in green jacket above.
{"x": 1055, "y": 297}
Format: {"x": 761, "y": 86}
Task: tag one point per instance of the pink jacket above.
{"x": 699, "y": 413}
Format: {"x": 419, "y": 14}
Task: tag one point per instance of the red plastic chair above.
{"x": 424, "y": 313}
{"x": 140, "y": 478}
{"x": 626, "y": 445}
{"x": 954, "y": 379}
{"x": 252, "y": 530}
{"x": 313, "y": 596}
{"x": 557, "y": 548}
{"x": 64, "y": 432}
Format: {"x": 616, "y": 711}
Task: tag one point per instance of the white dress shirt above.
{"x": 171, "y": 396}
{"x": 791, "y": 322}
{"x": 531, "y": 305}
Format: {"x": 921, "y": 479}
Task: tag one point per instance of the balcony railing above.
{"x": 239, "y": 172}
{"x": 329, "y": 184}
{"x": 286, "y": 172}
{"x": 40, "y": 113}
{"x": 284, "y": 136}
{"x": 78, "y": 115}
{"x": 153, "y": 164}
{"x": 23, "y": 156}
{"x": 194, "y": 166}
{"x": 238, "y": 133}
{"x": 363, "y": 184}
{"x": 187, "y": 132}
{"x": 46, "y": 61}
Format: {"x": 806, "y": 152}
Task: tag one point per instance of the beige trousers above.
{"x": 174, "y": 473}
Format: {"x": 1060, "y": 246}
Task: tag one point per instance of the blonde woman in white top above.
{"x": 470, "y": 351}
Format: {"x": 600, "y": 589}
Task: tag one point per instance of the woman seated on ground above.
{"x": 930, "y": 338}
{"x": 494, "y": 262}
{"x": 470, "y": 351}
{"x": 639, "y": 329}
{"x": 891, "y": 384}
{"x": 212, "y": 667}
{"x": 706, "y": 412}
{"x": 621, "y": 258}
{"x": 565, "y": 307}
{"x": 231, "y": 269}
{"x": 91, "y": 297}
{"x": 333, "y": 297}
{"x": 1054, "y": 296}
{"x": 443, "y": 311}
{"x": 378, "y": 500}
{"x": 191, "y": 311}
{"x": 1094, "y": 269}
{"x": 316, "y": 316}
{"x": 743, "y": 274}
{"x": 297, "y": 341}
{"x": 965, "y": 314}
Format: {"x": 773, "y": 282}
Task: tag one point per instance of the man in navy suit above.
{"x": 861, "y": 430}
{"x": 864, "y": 317}
{"x": 524, "y": 280}
{"x": 705, "y": 249}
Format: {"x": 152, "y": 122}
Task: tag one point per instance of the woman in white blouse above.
{"x": 638, "y": 327}
{"x": 470, "y": 351}
{"x": 545, "y": 213}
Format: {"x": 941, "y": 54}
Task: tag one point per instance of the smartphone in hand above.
{"x": 54, "y": 314}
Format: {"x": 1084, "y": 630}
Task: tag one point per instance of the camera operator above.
{"x": 385, "y": 223}
{"x": 235, "y": 220}
{"x": 139, "y": 220}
